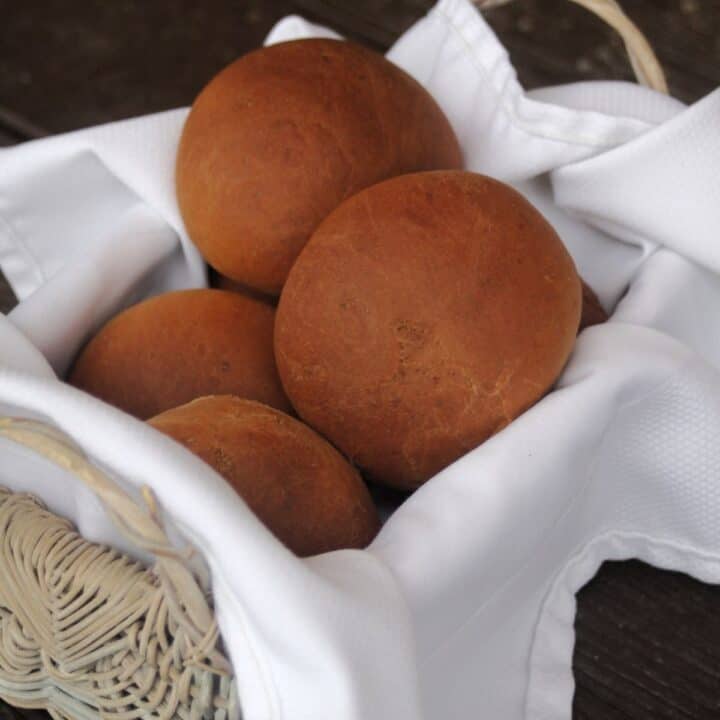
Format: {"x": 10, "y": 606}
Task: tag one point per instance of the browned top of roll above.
{"x": 424, "y": 314}
{"x": 181, "y": 345}
{"x": 295, "y": 482}
{"x": 281, "y": 136}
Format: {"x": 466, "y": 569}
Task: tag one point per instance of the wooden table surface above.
{"x": 648, "y": 642}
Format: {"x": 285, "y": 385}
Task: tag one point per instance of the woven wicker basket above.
{"x": 86, "y": 632}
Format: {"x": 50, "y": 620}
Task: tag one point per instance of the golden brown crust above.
{"x": 283, "y": 135}
{"x": 423, "y": 316}
{"x": 181, "y": 345}
{"x": 296, "y": 483}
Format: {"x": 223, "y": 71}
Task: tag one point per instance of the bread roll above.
{"x": 179, "y": 346}
{"x": 283, "y": 135}
{"x": 294, "y": 481}
{"x": 425, "y": 314}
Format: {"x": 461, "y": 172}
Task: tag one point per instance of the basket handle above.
{"x": 139, "y": 524}
{"x": 645, "y": 64}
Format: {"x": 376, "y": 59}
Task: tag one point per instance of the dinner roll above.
{"x": 181, "y": 345}
{"x": 425, "y": 313}
{"x": 283, "y": 135}
{"x": 304, "y": 491}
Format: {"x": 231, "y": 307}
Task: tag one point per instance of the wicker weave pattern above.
{"x": 88, "y": 633}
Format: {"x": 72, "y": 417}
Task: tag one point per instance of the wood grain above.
{"x": 8, "y": 137}
{"x": 647, "y": 646}
{"x": 103, "y": 61}
{"x": 648, "y": 642}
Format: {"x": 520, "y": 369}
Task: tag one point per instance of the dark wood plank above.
{"x": 7, "y": 137}
{"x": 18, "y": 126}
{"x": 7, "y": 712}
{"x": 554, "y": 41}
{"x": 66, "y": 65}
{"x": 647, "y": 646}
{"x": 115, "y": 60}
{"x": 376, "y": 23}
{"x": 7, "y": 296}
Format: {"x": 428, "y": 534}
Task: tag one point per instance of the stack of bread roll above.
{"x": 378, "y": 311}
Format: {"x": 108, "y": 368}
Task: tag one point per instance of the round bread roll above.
{"x": 281, "y": 136}
{"x": 425, "y": 314}
{"x": 176, "y": 347}
{"x": 304, "y": 491}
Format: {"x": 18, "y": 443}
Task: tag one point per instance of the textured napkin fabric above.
{"x": 464, "y": 604}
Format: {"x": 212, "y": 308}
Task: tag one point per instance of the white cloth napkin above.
{"x": 464, "y": 604}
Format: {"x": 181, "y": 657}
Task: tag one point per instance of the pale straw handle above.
{"x": 642, "y": 57}
{"x": 139, "y": 524}
{"x": 87, "y": 633}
